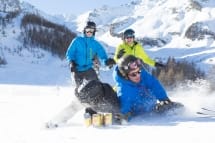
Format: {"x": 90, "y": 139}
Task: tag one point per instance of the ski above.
{"x": 206, "y": 114}
{"x": 210, "y": 110}
{"x": 203, "y": 115}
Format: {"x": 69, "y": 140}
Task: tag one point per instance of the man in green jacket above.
{"x": 132, "y": 47}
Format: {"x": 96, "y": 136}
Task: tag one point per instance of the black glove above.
{"x": 110, "y": 62}
{"x": 159, "y": 65}
{"x": 72, "y": 66}
{"x": 163, "y": 105}
{"x": 165, "y": 102}
{"x": 120, "y": 53}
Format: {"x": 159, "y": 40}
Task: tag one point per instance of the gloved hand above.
{"x": 165, "y": 102}
{"x": 163, "y": 105}
{"x": 72, "y": 66}
{"x": 110, "y": 62}
{"x": 120, "y": 53}
{"x": 159, "y": 65}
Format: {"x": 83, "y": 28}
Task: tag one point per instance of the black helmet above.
{"x": 128, "y": 63}
{"x": 128, "y": 33}
{"x": 91, "y": 25}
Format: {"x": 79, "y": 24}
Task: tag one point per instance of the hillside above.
{"x": 31, "y": 42}
{"x": 32, "y": 30}
{"x": 181, "y": 29}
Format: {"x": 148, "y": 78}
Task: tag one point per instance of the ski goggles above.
{"x": 89, "y": 30}
{"x": 133, "y": 65}
{"x": 129, "y": 36}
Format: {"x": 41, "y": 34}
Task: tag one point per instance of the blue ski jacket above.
{"x": 136, "y": 98}
{"x": 82, "y": 50}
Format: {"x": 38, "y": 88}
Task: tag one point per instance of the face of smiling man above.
{"x": 134, "y": 75}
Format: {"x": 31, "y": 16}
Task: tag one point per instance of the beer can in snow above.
{"x": 107, "y": 119}
{"x": 97, "y": 120}
{"x": 87, "y": 119}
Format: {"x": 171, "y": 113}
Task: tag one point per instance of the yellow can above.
{"x": 97, "y": 120}
{"x": 107, "y": 119}
{"x": 87, "y": 119}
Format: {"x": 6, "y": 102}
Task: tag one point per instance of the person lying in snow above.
{"x": 94, "y": 96}
{"x": 138, "y": 91}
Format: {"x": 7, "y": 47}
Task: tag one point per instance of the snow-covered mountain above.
{"x": 9, "y": 5}
{"x": 17, "y": 47}
{"x": 180, "y": 29}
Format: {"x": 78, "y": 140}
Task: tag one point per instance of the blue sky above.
{"x": 75, "y": 7}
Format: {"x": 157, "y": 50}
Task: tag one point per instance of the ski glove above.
{"x": 110, "y": 62}
{"x": 120, "y": 53}
{"x": 163, "y": 105}
{"x": 159, "y": 65}
{"x": 72, "y": 66}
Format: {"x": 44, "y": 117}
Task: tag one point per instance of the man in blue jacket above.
{"x": 138, "y": 91}
{"x": 82, "y": 52}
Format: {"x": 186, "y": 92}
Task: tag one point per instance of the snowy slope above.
{"x": 24, "y": 109}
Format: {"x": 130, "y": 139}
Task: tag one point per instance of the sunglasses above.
{"x": 134, "y": 74}
{"x": 89, "y": 30}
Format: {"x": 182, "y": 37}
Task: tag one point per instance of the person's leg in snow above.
{"x": 66, "y": 114}
{"x": 99, "y": 96}
{"x": 94, "y": 96}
